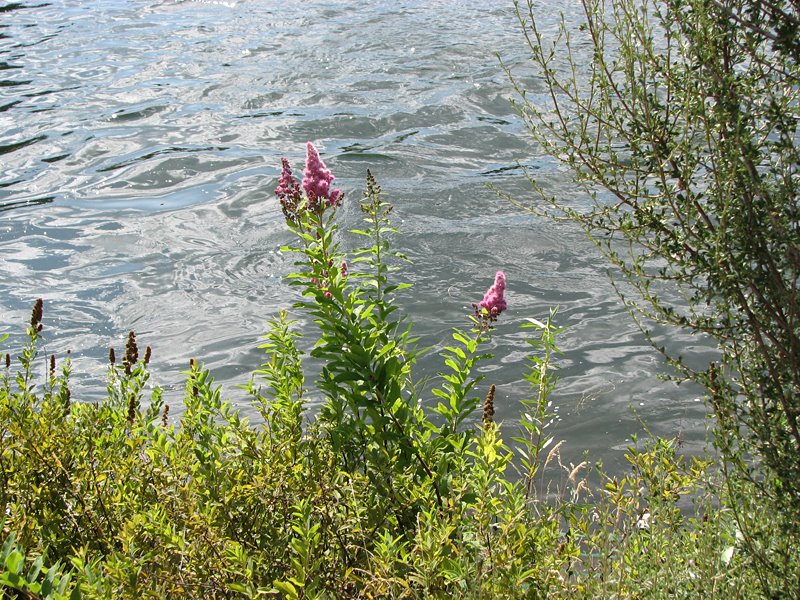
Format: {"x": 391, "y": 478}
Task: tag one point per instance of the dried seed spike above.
{"x": 488, "y": 407}
{"x": 132, "y": 409}
{"x": 554, "y": 453}
{"x": 131, "y": 353}
{"x": 131, "y": 349}
{"x": 112, "y": 357}
{"x": 8, "y": 360}
{"x": 52, "y": 367}
{"x": 577, "y": 469}
{"x": 36, "y": 315}
{"x": 147, "y": 353}
{"x": 164, "y": 415}
{"x": 372, "y": 184}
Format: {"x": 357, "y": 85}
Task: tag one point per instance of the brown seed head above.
{"x": 488, "y": 407}
{"x": 36, "y": 315}
{"x": 131, "y": 349}
{"x": 131, "y": 353}
{"x": 132, "y": 408}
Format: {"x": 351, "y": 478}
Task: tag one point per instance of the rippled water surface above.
{"x": 140, "y": 144}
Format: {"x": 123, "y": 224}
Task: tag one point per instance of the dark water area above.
{"x": 140, "y": 144}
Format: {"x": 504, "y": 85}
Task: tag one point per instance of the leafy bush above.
{"x": 680, "y": 119}
{"x": 389, "y": 490}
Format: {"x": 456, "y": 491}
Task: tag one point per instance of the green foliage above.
{"x": 387, "y": 490}
{"x": 680, "y": 119}
{"x": 39, "y": 581}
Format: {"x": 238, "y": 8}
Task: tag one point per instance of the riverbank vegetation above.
{"x": 389, "y": 490}
{"x": 397, "y": 488}
{"x": 680, "y": 120}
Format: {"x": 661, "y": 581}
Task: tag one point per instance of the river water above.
{"x": 140, "y": 143}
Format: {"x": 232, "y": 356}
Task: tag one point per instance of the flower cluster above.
{"x": 317, "y": 180}
{"x": 316, "y": 184}
{"x": 288, "y": 192}
{"x": 493, "y": 303}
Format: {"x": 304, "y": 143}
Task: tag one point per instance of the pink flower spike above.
{"x": 494, "y": 301}
{"x": 317, "y": 178}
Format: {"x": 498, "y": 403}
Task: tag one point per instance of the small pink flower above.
{"x": 494, "y": 301}
{"x": 288, "y": 191}
{"x": 336, "y": 197}
{"x": 287, "y": 184}
{"x": 343, "y": 268}
{"x": 317, "y": 178}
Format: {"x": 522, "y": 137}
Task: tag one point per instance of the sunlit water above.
{"x": 140, "y": 144}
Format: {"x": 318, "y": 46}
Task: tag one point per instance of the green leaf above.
{"x": 459, "y": 337}
{"x": 47, "y": 585}
{"x": 441, "y": 394}
{"x": 8, "y": 546}
{"x": 12, "y": 579}
{"x": 533, "y": 323}
{"x": 36, "y": 567}
{"x": 14, "y": 561}
{"x": 62, "y": 585}
{"x": 287, "y": 588}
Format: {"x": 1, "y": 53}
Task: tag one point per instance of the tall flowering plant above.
{"x": 308, "y": 207}
{"x": 369, "y": 408}
{"x": 373, "y": 411}
{"x": 458, "y": 402}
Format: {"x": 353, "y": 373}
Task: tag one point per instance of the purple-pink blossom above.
{"x": 287, "y": 184}
{"x": 288, "y": 191}
{"x": 316, "y": 184}
{"x": 494, "y": 300}
{"x": 317, "y": 179}
{"x": 336, "y": 197}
